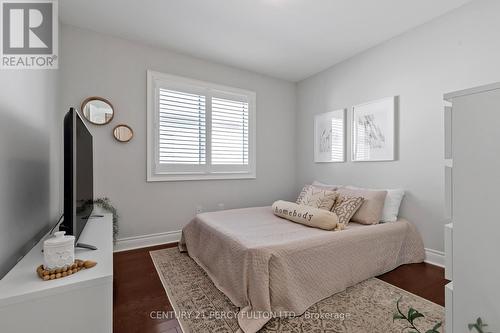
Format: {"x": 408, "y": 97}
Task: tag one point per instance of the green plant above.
{"x": 413, "y": 314}
{"x": 410, "y": 317}
{"x": 478, "y": 325}
{"x": 106, "y": 204}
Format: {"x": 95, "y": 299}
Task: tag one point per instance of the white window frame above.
{"x": 157, "y": 172}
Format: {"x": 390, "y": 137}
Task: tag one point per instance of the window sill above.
{"x": 189, "y": 177}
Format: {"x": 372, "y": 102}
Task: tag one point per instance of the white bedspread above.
{"x": 268, "y": 265}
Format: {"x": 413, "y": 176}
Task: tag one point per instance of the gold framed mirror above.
{"x": 123, "y": 133}
{"x": 98, "y": 110}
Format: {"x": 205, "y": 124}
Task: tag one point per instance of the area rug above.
{"x": 367, "y": 307}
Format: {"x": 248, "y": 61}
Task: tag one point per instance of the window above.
{"x": 199, "y": 130}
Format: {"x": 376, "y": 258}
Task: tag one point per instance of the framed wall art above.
{"x": 329, "y": 136}
{"x": 373, "y": 130}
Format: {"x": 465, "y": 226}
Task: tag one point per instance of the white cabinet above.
{"x": 80, "y": 303}
{"x": 473, "y": 193}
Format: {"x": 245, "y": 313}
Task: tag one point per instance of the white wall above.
{"x": 30, "y": 159}
{"x": 459, "y": 50}
{"x": 98, "y": 65}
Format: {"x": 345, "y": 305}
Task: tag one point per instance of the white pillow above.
{"x": 391, "y": 204}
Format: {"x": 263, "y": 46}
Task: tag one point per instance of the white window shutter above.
{"x": 229, "y": 134}
{"x": 181, "y": 128}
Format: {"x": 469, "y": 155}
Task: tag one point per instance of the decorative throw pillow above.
{"x": 317, "y": 197}
{"x": 306, "y": 215}
{"x": 345, "y": 207}
{"x": 302, "y": 194}
{"x": 371, "y": 209}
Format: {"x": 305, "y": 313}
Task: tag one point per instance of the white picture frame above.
{"x": 373, "y": 134}
{"x": 330, "y": 137}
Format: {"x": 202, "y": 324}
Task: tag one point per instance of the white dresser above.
{"x": 472, "y": 182}
{"x": 80, "y": 303}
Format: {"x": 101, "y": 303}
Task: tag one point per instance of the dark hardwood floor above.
{"x": 423, "y": 279}
{"x": 138, "y": 290}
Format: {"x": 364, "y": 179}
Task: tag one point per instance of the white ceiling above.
{"x": 288, "y": 39}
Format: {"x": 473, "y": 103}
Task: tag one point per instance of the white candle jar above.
{"x": 59, "y": 251}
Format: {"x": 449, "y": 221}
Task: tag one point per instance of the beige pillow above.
{"x": 372, "y": 207}
{"x": 306, "y": 215}
{"x": 345, "y": 207}
{"x": 317, "y": 197}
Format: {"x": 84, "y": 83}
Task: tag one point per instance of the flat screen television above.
{"x": 78, "y": 174}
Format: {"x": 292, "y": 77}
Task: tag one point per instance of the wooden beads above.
{"x": 52, "y": 274}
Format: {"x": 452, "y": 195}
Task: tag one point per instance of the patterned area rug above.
{"x": 367, "y": 307}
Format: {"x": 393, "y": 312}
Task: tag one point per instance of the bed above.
{"x": 268, "y": 266}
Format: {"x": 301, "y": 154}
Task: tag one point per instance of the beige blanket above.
{"x": 267, "y": 265}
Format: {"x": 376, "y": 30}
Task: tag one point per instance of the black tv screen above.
{"x": 78, "y": 174}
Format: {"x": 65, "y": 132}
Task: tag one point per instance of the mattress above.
{"x": 268, "y": 266}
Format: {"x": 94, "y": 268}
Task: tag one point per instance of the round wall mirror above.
{"x": 97, "y": 110}
{"x": 123, "y": 133}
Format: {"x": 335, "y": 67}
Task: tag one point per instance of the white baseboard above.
{"x": 434, "y": 257}
{"x": 137, "y": 242}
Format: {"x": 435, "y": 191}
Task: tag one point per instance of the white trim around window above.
{"x": 199, "y": 130}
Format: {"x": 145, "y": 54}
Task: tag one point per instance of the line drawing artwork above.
{"x": 325, "y": 140}
{"x": 329, "y": 136}
{"x": 374, "y": 136}
{"x": 373, "y": 130}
